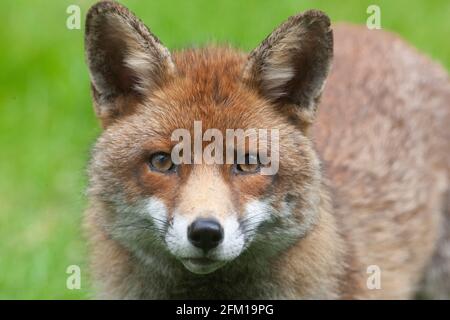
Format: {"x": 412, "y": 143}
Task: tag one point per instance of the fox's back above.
{"x": 382, "y": 133}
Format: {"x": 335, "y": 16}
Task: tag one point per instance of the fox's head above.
{"x": 201, "y": 213}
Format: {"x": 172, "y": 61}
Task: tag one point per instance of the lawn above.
{"x": 47, "y": 124}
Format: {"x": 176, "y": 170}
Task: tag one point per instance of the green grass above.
{"x": 47, "y": 124}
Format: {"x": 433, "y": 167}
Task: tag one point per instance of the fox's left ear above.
{"x": 291, "y": 65}
{"x": 126, "y": 61}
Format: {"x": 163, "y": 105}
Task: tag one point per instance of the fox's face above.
{"x": 205, "y": 214}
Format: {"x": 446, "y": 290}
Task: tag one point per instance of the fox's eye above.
{"x": 251, "y": 165}
{"x": 161, "y": 162}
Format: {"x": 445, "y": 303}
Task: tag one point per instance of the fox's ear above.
{"x": 126, "y": 62}
{"x": 291, "y": 65}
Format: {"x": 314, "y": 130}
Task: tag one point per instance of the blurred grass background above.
{"x": 47, "y": 124}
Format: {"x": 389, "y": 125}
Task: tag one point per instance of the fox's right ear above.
{"x": 126, "y": 62}
{"x": 291, "y": 65}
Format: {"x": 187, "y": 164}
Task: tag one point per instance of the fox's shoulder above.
{"x": 383, "y": 93}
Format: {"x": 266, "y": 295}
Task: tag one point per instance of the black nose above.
{"x": 205, "y": 234}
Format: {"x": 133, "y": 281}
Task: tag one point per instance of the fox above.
{"x": 358, "y": 208}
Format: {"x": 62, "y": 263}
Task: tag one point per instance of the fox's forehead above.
{"x": 208, "y": 88}
{"x": 211, "y": 74}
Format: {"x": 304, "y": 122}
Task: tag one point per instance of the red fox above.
{"x": 357, "y": 208}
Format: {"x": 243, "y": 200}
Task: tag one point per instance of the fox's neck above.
{"x": 319, "y": 258}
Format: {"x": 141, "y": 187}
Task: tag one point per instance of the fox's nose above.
{"x": 205, "y": 234}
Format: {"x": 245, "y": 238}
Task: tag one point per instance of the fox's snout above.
{"x": 205, "y": 233}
